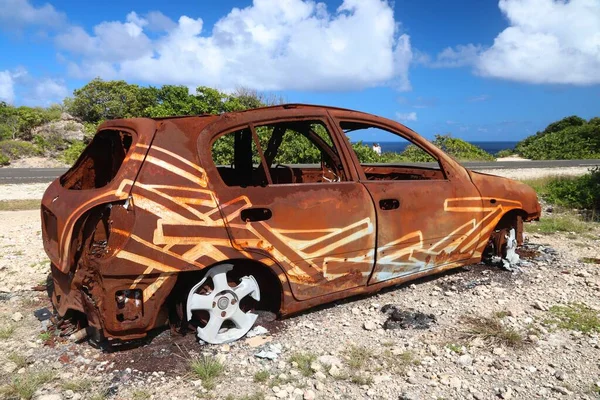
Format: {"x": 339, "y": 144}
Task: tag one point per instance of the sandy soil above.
{"x": 37, "y": 162}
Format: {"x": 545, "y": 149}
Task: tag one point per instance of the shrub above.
{"x": 14, "y": 149}
{"x": 461, "y": 150}
{"x": 4, "y": 160}
{"x": 505, "y": 153}
{"x": 579, "y": 192}
{"x": 71, "y": 154}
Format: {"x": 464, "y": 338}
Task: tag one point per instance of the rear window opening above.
{"x": 100, "y": 161}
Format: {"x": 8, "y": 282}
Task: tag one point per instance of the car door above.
{"x": 299, "y": 204}
{"x": 428, "y": 215}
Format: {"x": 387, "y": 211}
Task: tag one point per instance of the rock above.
{"x": 455, "y": 382}
{"x": 9, "y": 367}
{"x": 67, "y": 129}
{"x": 355, "y": 311}
{"x": 315, "y": 366}
{"x": 258, "y": 341}
{"x": 329, "y": 360}
{"x": 281, "y": 394}
{"x": 257, "y": 331}
{"x": 320, "y": 376}
{"x": 17, "y": 316}
{"x": 335, "y": 371}
{"x": 560, "y": 375}
{"x": 51, "y": 396}
{"x": 562, "y": 390}
{"x": 370, "y": 326}
{"x": 498, "y": 351}
{"x": 409, "y": 396}
{"x": 465, "y": 360}
{"x": 309, "y": 395}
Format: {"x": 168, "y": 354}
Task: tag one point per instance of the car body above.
{"x": 148, "y": 228}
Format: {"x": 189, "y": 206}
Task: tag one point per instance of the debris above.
{"x": 256, "y": 331}
{"x": 17, "y": 316}
{"x": 42, "y": 314}
{"x": 400, "y": 319}
{"x": 271, "y": 353}
{"x": 257, "y": 341}
{"x": 80, "y": 335}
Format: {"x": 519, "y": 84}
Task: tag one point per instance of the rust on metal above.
{"x": 145, "y": 212}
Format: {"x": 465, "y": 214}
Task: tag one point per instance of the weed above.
{"x": 304, "y": 360}
{"x": 25, "y": 385}
{"x": 45, "y": 336}
{"x": 575, "y": 317}
{"x": 455, "y": 348}
{"x": 361, "y": 379}
{"x": 79, "y": 385}
{"x": 7, "y": 331}
{"x": 207, "y": 368}
{"x": 357, "y": 356}
{"x": 501, "y": 314}
{"x": 261, "y": 376}
{"x": 492, "y": 331}
{"x": 255, "y": 396}
{"x": 140, "y": 394}
{"x": 18, "y": 359}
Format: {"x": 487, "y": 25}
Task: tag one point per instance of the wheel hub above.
{"x": 223, "y": 303}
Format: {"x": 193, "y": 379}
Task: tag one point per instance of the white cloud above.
{"x": 19, "y": 13}
{"x": 548, "y": 41}
{"x": 478, "y": 99}
{"x": 47, "y": 91}
{"x": 7, "y": 92}
{"x": 406, "y": 117}
{"x": 460, "y": 56}
{"x": 270, "y": 45}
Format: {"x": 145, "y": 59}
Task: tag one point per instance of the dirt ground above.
{"x": 344, "y": 350}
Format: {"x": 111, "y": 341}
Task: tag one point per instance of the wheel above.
{"x": 217, "y": 309}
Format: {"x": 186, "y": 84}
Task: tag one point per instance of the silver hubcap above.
{"x": 223, "y": 304}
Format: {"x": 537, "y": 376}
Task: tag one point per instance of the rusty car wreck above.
{"x": 146, "y": 229}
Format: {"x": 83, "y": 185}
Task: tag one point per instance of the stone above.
{"x": 281, "y": 394}
{"x": 309, "y": 395}
{"x": 320, "y": 376}
{"x": 455, "y": 382}
{"x": 17, "y": 316}
{"x": 370, "y": 326}
{"x": 560, "y": 375}
{"x": 465, "y": 360}
{"x": 9, "y": 367}
{"x": 257, "y": 341}
{"x": 50, "y": 396}
{"x": 329, "y": 360}
{"x": 335, "y": 371}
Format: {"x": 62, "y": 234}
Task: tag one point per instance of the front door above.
{"x": 286, "y": 192}
{"x": 428, "y": 213}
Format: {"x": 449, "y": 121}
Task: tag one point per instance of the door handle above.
{"x": 389, "y": 204}
{"x": 255, "y": 214}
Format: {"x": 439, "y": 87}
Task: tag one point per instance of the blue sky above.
{"x": 481, "y": 70}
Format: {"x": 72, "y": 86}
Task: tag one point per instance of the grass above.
{"x": 255, "y": 396}
{"x": 261, "y": 376}
{"x": 18, "y": 359}
{"x": 140, "y": 394}
{"x": 455, "y": 348}
{"x": 6, "y": 332}
{"x": 575, "y": 317}
{"x": 17, "y": 205}
{"x": 304, "y": 360}
{"x": 207, "y": 368}
{"x": 25, "y": 385}
{"x": 78, "y": 385}
{"x": 45, "y": 336}
{"x": 357, "y": 356}
{"x": 492, "y": 331}
{"x": 560, "y": 223}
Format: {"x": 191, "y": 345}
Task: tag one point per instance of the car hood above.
{"x": 509, "y": 189}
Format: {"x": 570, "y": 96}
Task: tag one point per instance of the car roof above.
{"x": 287, "y": 106}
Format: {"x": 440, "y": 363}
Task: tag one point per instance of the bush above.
{"x": 4, "y": 160}
{"x": 14, "y": 149}
{"x": 579, "y": 192}
{"x": 461, "y": 150}
{"x": 71, "y": 154}
{"x": 569, "y": 138}
{"x": 505, "y": 153}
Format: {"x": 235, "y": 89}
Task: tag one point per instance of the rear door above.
{"x": 286, "y": 192}
{"x": 428, "y": 215}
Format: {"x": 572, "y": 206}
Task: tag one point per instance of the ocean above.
{"x": 490, "y": 147}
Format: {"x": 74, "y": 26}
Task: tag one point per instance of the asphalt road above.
{"x": 40, "y": 175}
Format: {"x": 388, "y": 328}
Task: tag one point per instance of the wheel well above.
{"x": 497, "y": 241}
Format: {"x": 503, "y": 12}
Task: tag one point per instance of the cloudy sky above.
{"x": 482, "y": 70}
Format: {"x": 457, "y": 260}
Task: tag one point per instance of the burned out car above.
{"x": 202, "y": 221}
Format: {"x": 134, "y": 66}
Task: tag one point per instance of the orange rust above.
{"x": 165, "y": 209}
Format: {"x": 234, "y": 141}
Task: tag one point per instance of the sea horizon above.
{"x": 491, "y": 147}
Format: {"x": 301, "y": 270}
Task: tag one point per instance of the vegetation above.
{"x": 6, "y": 332}
{"x": 357, "y": 356}
{"x": 16, "y": 205}
{"x": 25, "y": 385}
{"x": 261, "y": 376}
{"x": 491, "y": 330}
{"x": 207, "y": 368}
{"x": 79, "y": 385}
{"x": 304, "y": 360}
{"x": 570, "y": 138}
{"x": 575, "y": 317}
{"x": 560, "y": 223}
